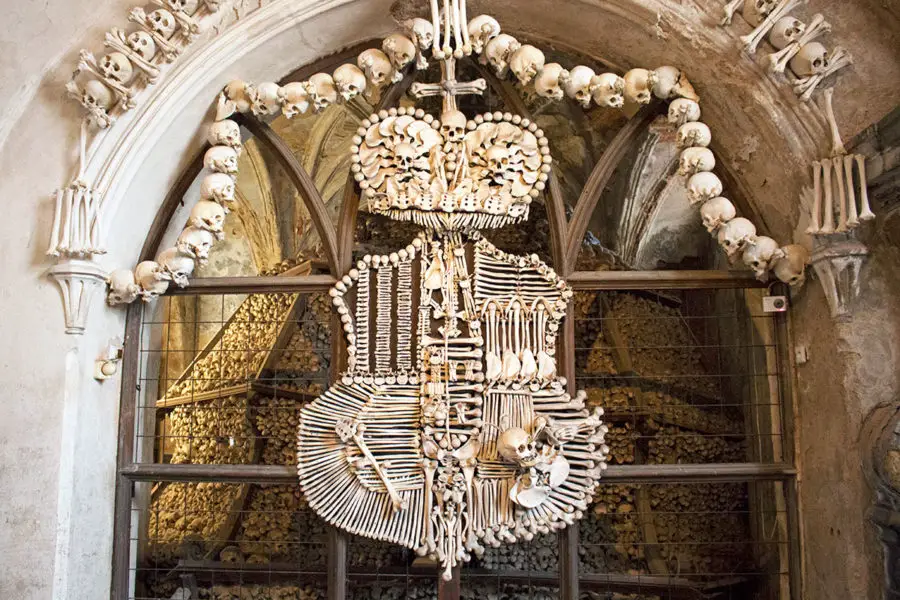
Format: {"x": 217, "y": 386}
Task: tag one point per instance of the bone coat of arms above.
{"x": 450, "y": 429}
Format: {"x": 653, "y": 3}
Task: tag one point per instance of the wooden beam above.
{"x": 598, "y": 180}
{"x": 615, "y": 474}
{"x": 304, "y": 184}
{"x": 255, "y": 285}
{"x": 662, "y": 280}
{"x": 121, "y": 560}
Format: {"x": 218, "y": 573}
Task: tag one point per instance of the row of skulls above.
{"x": 205, "y": 226}
{"x": 737, "y": 235}
{"x": 375, "y": 69}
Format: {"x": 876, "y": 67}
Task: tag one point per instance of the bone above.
{"x": 865, "y": 212}
{"x": 853, "y": 213}
{"x": 838, "y": 165}
{"x": 814, "y": 223}
{"x": 837, "y": 144}
{"x": 778, "y": 61}
{"x": 828, "y": 223}
{"x": 752, "y": 40}
{"x": 348, "y": 430}
{"x": 732, "y": 7}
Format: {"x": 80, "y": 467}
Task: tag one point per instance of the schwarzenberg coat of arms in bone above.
{"x": 450, "y": 429}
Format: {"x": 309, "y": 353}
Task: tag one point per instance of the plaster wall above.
{"x": 58, "y": 426}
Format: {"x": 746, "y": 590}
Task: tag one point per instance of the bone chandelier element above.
{"x": 798, "y": 56}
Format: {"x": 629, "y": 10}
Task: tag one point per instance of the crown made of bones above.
{"x": 451, "y": 172}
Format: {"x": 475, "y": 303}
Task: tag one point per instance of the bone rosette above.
{"x": 453, "y": 172}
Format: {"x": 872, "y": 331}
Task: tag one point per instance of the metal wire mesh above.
{"x": 685, "y": 377}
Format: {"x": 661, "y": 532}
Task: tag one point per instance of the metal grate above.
{"x": 687, "y": 377}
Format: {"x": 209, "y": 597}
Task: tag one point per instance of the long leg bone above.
{"x": 853, "y": 218}
{"x": 732, "y": 7}
{"x": 865, "y": 212}
{"x": 837, "y": 144}
{"x": 828, "y": 223}
{"x": 352, "y": 430}
{"x": 838, "y": 163}
{"x": 805, "y": 87}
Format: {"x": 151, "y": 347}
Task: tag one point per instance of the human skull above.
{"x": 176, "y": 267}
{"x": 350, "y": 81}
{"x": 210, "y": 216}
{"x": 608, "y": 89}
{"x": 812, "y": 59}
{"x": 639, "y": 85}
{"x": 516, "y": 446}
{"x": 406, "y": 156}
{"x": 264, "y": 98}
{"x": 453, "y": 125}
{"x": 497, "y": 159}
{"x": 96, "y": 94}
{"x": 735, "y": 234}
{"x": 578, "y": 85}
{"x": 499, "y": 50}
{"x": 151, "y": 277}
{"x": 196, "y": 242}
{"x": 755, "y": 11}
{"x": 400, "y": 49}
{"x": 143, "y": 44}
{"x": 683, "y": 110}
{"x": 526, "y": 63}
{"x": 295, "y": 99}
{"x": 221, "y": 159}
{"x": 791, "y": 267}
{"x": 162, "y": 22}
{"x": 670, "y": 82}
{"x": 703, "y": 186}
{"x": 225, "y": 133}
{"x": 238, "y": 92}
{"x": 186, "y": 6}
{"x": 548, "y": 83}
{"x": 482, "y": 29}
{"x": 694, "y": 134}
{"x": 377, "y": 67}
{"x": 122, "y": 287}
{"x": 219, "y": 187}
{"x": 696, "y": 160}
{"x": 117, "y": 67}
{"x": 422, "y": 31}
{"x": 716, "y": 212}
{"x": 322, "y": 91}
{"x": 759, "y": 252}
{"x": 786, "y": 31}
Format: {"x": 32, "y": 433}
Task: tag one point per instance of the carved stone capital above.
{"x": 838, "y": 263}
{"x": 79, "y": 281}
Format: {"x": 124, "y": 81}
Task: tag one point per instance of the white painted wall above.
{"x": 57, "y": 425}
